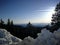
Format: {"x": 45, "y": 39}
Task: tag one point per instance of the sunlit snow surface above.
{"x": 7, "y": 39}
{"x": 44, "y": 38}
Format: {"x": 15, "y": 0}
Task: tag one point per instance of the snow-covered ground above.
{"x": 44, "y": 38}
{"x": 7, "y": 39}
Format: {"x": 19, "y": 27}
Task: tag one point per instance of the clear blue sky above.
{"x": 23, "y": 11}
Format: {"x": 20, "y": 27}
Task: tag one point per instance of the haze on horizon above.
{"x": 23, "y": 11}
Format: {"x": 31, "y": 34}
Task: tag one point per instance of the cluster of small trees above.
{"x": 8, "y": 22}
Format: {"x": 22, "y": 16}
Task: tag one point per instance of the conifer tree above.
{"x": 56, "y": 16}
{"x": 1, "y": 22}
{"x": 8, "y": 23}
{"x": 12, "y": 22}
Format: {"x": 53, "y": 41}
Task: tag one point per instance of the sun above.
{"x": 49, "y": 14}
{"x": 53, "y": 12}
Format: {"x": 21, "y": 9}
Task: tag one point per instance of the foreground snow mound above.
{"x": 6, "y": 38}
{"x": 57, "y": 36}
{"x": 28, "y": 41}
{"x": 48, "y": 38}
{"x": 44, "y": 38}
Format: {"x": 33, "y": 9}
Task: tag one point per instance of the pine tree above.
{"x": 57, "y": 7}
{"x": 12, "y": 22}
{"x": 8, "y": 23}
{"x": 29, "y": 25}
{"x": 56, "y": 16}
{"x": 1, "y": 22}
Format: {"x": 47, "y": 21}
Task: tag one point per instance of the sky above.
{"x": 24, "y": 11}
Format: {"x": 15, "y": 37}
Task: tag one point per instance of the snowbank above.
{"x": 44, "y": 38}
{"x": 6, "y": 38}
{"x": 28, "y": 41}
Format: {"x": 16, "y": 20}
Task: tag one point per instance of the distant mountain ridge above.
{"x": 34, "y": 24}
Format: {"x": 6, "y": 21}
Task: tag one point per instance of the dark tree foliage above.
{"x": 20, "y": 31}
{"x": 56, "y": 18}
{"x": 29, "y": 25}
{"x": 8, "y": 23}
{"x": 12, "y": 22}
{"x": 57, "y": 7}
{"x": 1, "y": 22}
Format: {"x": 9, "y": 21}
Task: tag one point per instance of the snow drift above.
{"x": 6, "y": 38}
{"x": 44, "y": 38}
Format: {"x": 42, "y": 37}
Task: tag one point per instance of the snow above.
{"x": 28, "y": 41}
{"x": 7, "y": 38}
{"x": 44, "y": 38}
{"x": 48, "y": 38}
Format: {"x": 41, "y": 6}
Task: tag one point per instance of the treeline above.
{"x": 8, "y": 22}
{"x": 20, "y": 31}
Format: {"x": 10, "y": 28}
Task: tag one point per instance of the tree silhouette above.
{"x": 8, "y": 23}
{"x": 12, "y": 22}
{"x": 1, "y": 22}
{"x": 29, "y": 25}
{"x": 56, "y": 16}
{"x": 57, "y": 7}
